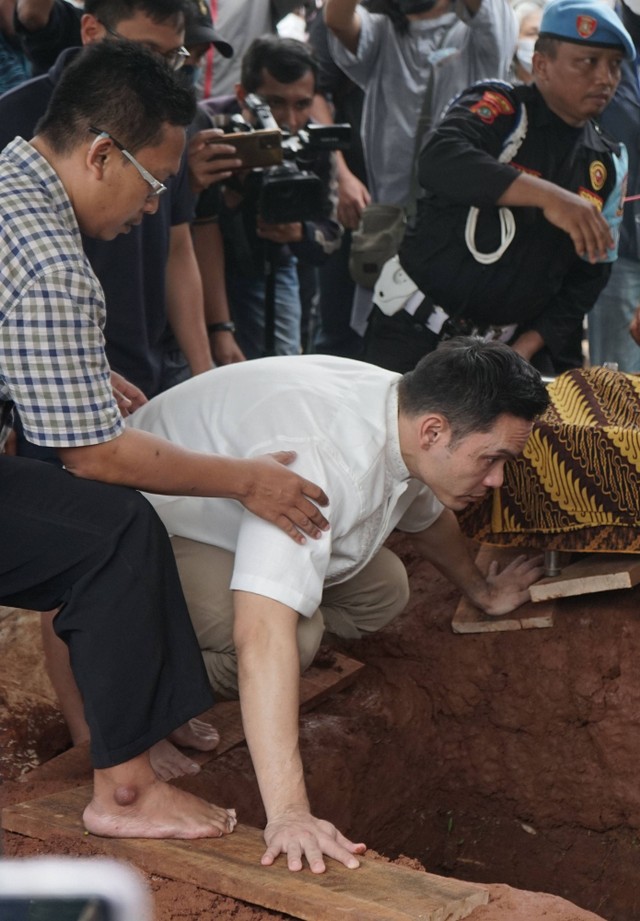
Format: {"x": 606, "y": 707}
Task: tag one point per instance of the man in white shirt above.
{"x": 391, "y": 452}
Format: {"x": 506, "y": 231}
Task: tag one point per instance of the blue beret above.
{"x": 590, "y": 21}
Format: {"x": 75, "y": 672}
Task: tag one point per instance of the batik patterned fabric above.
{"x": 577, "y": 484}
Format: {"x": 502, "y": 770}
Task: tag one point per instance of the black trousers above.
{"x": 102, "y": 553}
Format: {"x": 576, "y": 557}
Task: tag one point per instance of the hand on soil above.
{"x": 298, "y": 834}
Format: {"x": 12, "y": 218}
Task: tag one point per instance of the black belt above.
{"x": 455, "y": 326}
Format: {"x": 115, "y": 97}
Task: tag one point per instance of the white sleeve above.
{"x": 269, "y": 563}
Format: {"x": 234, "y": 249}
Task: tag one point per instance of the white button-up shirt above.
{"x": 341, "y": 417}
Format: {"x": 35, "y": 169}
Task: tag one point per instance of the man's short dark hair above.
{"x": 547, "y": 45}
{"x": 471, "y": 383}
{"x": 111, "y": 12}
{"x": 119, "y": 87}
{"x": 286, "y": 59}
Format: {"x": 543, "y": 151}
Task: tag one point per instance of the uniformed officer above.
{"x": 516, "y": 233}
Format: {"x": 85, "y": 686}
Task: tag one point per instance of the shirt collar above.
{"x": 395, "y": 464}
{"x": 31, "y": 162}
{"x": 543, "y": 116}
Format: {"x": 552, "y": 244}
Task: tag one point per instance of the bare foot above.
{"x": 196, "y": 734}
{"x": 154, "y": 810}
{"x": 168, "y": 763}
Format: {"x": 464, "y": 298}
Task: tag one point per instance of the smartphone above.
{"x": 259, "y": 148}
{"x": 72, "y": 889}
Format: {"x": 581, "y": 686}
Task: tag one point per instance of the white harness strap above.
{"x": 507, "y": 220}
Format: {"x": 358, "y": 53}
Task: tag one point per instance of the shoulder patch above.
{"x": 491, "y": 105}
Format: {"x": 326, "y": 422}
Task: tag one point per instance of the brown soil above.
{"x": 507, "y": 757}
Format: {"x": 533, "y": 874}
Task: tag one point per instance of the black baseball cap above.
{"x": 199, "y": 29}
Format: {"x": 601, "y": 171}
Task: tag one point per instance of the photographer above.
{"x": 282, "y": 72}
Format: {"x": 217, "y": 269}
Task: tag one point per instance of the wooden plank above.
{"x": 598, "y": 572}
{"x": 331, "y": 672}
{"x": 230, "y": 866}
{"x": 470, "y": 619}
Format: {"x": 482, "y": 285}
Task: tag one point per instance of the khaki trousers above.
{"x": 362, "y": 605}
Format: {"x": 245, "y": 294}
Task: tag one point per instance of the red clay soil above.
{"x": 507, "y": 757}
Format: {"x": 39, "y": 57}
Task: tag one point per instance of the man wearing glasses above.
{"x": 48, "y": 27}
{"x": 78, "y": 539}
{"x": 151, "y": 276}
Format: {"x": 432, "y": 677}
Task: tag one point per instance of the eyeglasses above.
{"x": 174, "y": 58}
{"x": 157, "y": 187}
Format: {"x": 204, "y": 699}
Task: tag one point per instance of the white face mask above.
{"x": 524, "y": 53}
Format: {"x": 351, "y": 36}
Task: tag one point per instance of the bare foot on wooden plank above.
{"x": 130, "y": 802}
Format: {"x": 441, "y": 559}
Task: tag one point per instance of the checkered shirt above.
{"x": 52, "y": 360}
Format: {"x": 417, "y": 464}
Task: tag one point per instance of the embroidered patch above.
{"x": 591, "y": 196}
{"x": 586, "y": 26}
{"x": 491, "y": 105}
{"x": 597, "y": 174}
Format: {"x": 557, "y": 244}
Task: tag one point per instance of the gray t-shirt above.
{"x": 240, "y": 21}
{"x": 442, "y": 56}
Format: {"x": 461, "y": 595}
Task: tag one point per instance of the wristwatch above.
{"x": 226, "y": 327}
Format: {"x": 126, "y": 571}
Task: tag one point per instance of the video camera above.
{"x": 289, "y": 190}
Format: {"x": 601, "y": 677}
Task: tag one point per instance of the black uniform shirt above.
{"x": 539, "y": 283}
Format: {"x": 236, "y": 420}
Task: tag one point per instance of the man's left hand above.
{"x": 510, "y": 588}
{"x": 210, "y": 159}
{"x": 279, "y": 233}
{"x": 282, "y": 497}
{"x": 299, "y": 834}
{"x": 10, "y": 448}
{"x": 127, "y": 395}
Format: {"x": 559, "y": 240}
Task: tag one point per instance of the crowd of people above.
{"x": 158, "y": 413}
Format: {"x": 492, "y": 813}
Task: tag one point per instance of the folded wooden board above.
{"x": 601, "y": 572}
{"x": 230, "y": 866}
{"x": 470, "y": 619}
{"x": 331, "y": 672}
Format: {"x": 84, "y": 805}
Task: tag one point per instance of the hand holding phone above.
{"x": 260, "y": 148}
{"x": 211, "y": 159}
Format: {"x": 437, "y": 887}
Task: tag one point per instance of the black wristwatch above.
{"x": 226, "y": 327}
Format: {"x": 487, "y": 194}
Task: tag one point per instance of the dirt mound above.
{"x": 506, "y": 756}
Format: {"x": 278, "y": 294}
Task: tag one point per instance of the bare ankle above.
{"x": 125, "y": 795}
